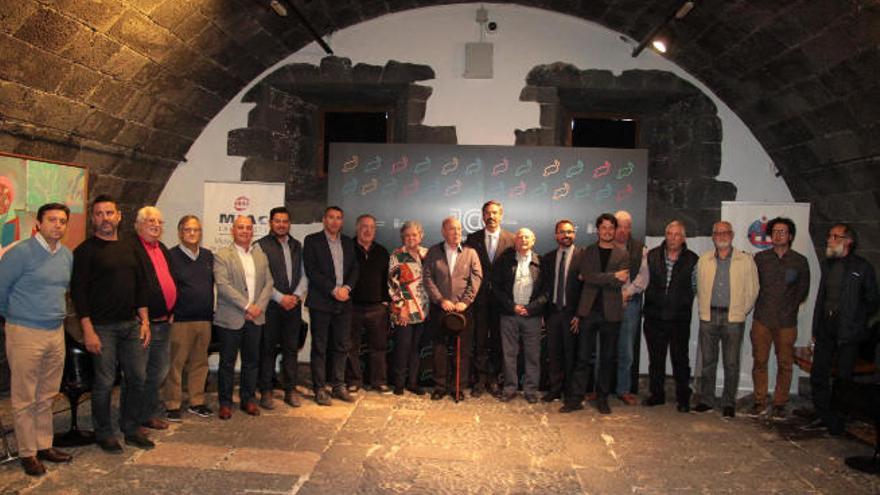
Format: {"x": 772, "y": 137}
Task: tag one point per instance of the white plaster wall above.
{"x": 483, "y": 111}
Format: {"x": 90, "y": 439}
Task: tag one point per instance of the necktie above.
{"x": 491, "y": 248}
{"x": 560, "y": 282}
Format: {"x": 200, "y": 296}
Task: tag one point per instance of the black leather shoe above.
{"x": 438, "y": 394}
{"x": 110, "y": 444}
{"x": 32, "y": 466}
{"x": 702, "y": 407}
{"x": 728, "y": 412}
{"x": 477, "y": 391}
{"x": 383, "y": 389}
{"x": 603, "y": 407}
{"x": 684, "y": 407}
{"x": 531, "y": 398}
{"x": 653, "y": 401}
{"x": 460, "y": 395}
{"x": 139, "y": 440}
{"x": 322, "y": 397}
{"x": 551, "y": 396}
{"x": 571, "y": 407}
{"x": 342, "y": 394}
{"x": 416, "y": 390}
{"x": 494, "y": 389}
{"x": 398, "y": 390}
{"x": 507, "y": 397}
{"x": 53, "y": 455}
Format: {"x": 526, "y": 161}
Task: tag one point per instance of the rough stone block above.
{"x": 248, "y": 142}
{"x": 132, "y": 135}
{"x": 415, "y": 111}
{"x": 143, "y": 35}
{"x": 167, "y": 145}
{"x": 146, "y": 6}
{"x": 14, "y": 14}
{"x": 48, "y": 30}
{"x": 549, "y": 118}
{"x": 98, "y": 15}
{"x": 404, "y": 72}
{"x": 79, "y": 83}
{"x": 259, "y": 169}
{"x": 98, "y": 162}
{"x": 111, "y": 96}
{"x": 125, "y": 64}
{"x": 42, "y": 148}
{"x": 708, "y": 193}
{"x": 830, "y": 118}
{"x": 336, "y": 69}
{"x": 539, "y": 94}
{"x": 26, "y": 64}
{"x": 105, "y": 184}
{"x": 366, "y": 73}
{"x": 431, "y": 134}
{"x": 100, "y": 126}
{"x": 556, "y": 74}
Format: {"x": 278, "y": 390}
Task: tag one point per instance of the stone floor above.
{"x": 390, "y": 444}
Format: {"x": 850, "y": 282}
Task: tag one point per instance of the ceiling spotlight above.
{"x": 659, "y": 45}
{"x": 684, "y": 10}
{"x": 278, "y": 7}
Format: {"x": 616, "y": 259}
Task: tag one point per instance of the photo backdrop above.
{"x": 537, "y": 186}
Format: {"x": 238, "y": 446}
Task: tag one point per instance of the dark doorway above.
{"x": 593, "y": 132}
{"x": 353, "y": 127}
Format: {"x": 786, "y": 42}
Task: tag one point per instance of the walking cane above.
{"x": 9, "y": 455}
{"x": 457, "y": 367}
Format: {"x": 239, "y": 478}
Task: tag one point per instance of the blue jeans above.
{"x": 120, "y": 345}
{"x": 247, "y": 339}
{"x": 731, "y": 336}
{"x": 158, "y": 362}
{"x": 629, "y": 328}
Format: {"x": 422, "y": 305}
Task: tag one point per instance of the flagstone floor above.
{"x": 409, "y": 444}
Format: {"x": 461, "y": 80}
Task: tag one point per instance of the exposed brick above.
{"x": 48, "y": 30}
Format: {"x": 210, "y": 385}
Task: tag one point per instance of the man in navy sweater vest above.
{"x": 34, "y": 276}
{"x": 193, "y": 269}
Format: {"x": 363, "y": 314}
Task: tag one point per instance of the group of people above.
{"x": 149, "y": 310}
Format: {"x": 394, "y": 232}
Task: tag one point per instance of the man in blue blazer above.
{"x": 332, "y": 270}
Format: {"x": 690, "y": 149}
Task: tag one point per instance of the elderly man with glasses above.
{"x": 727, "y": 286}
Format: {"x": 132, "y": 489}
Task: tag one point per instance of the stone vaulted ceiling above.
{"x": 127, "y": 85}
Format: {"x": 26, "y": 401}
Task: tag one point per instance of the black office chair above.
{"x": 78, "y": 378}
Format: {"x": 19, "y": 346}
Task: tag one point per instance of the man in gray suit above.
{"x": 450, "y": 290}
{"x": 244, "y": 288}
{"x": 604, "y": 269}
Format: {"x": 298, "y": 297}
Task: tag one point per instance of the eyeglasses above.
{"x": 191, "y": 230}
{"x": 779, "y": 231}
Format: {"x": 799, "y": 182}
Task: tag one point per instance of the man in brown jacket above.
{"x": 452, "y": 277}
{"x": 604, "y": 269}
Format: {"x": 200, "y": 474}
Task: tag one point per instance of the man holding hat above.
{"x": 452, "y": 276}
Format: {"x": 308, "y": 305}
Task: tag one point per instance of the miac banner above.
{"x": 749, "y": 220}
{"x": 226, "y": 200}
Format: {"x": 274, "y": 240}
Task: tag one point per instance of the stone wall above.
{"x": 677, "y": 123}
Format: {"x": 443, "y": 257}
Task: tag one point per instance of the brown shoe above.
{"x": 32, "y": 466}
{"x": 629, "y": 399}
{"x": 225, "y": 412}
{"x": 592, "y": 396}
{"x": 251, "y": 409}
{"x": 54, "y": 455}
{"x": 155, "y": 424}
{"x": 291, "y": 399}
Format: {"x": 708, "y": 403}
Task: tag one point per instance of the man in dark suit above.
{"x": 284, "y": 313}
{"x": 452, "y": 276}
{"x": 332, "y": 270}
{"x": 563, "y": 292}
{"x": 518, "y": 289}
{"x": 604, "y": 269}
{"x": 489, "y": 243}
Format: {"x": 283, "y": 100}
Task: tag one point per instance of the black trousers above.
{"x": 594, "y": 326}
{"x": 247, "y": 340}
{"x": 559, "y": 341}
{"x": 281, "y": 328}
{"x": 661, "y": 335}
{"x": 487, "y": 345}
{"x": 444, "y": 361}
{"x": 827, "y": 353}
{"x": 330, "y": 338}
{"x": 371, "y": 319}
{"x": 407, "y": 356}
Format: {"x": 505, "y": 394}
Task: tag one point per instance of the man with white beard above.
{"x": 847, "y": 298}
{"x": 727, "y": 286}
